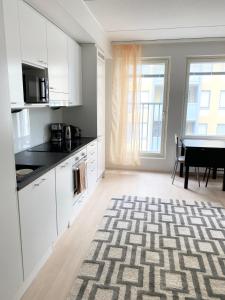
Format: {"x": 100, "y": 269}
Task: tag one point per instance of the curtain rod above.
{"x": 172, "y": 41}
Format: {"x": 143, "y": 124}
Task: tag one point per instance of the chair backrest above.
{"x": 177, "y": 144}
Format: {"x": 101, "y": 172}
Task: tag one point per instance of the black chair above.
{"x": 181, "y": 160}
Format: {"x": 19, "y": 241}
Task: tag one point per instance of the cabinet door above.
{"x": 57, "y": 63}
{"x": 33, "y": 35}
{"x": 100, "y": 96}
{"x": 37, "y": 207}
{"x": 101, "y": 156}
{"x": 12, "y": 37}
{"x": 64, "y": 194}
{"x": 75, "y": 73}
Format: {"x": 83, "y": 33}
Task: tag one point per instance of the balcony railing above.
{"x": 151, "y": 127}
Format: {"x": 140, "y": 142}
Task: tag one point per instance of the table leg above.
{"x": 224, "y": 179}
{"x": 214, "y": 173}
{"x": 186, "y": 177}
{"x": 182, "y": 165}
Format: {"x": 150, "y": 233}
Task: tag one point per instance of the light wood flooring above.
{"x": 55, "y": 279}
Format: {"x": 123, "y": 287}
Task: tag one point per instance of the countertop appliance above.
{"x": 71, "y": 132}
{"x": 57, "y": 130}
{"x": 67, "y": 132}
{"x": 35, "y": 84}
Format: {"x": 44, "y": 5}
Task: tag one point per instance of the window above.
{"x": 222, "y": 100}
{"x": 204, "y": 99}
{"x": 152, "y": 106}
{"x": 205, "y": 91}
{"x": 220, "y": 129}
{"x": 202, "y": 129}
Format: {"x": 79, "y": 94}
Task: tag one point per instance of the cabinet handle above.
{"x": 51, "y": 88}
{"x": 63, "y": 166}
{"x": 13, "y": 102}
{"x": 36, "y": 184}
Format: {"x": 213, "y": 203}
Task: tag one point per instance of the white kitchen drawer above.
{"x": 80, "y": 154}
{"x": 92, "y": 148}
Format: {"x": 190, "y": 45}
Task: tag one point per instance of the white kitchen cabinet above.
{"x": 92, "y": 168}
{"x": 101, "y": 112}
{"x": 101, "y": 156}
{"x": 37, "y": 206}
{"x": 57, "y": 66}
{"x": 64, "y": 194}
{"x": 13, "y": 51}
{"x": 75, "y": 73}
{"x": 32, "y": 35}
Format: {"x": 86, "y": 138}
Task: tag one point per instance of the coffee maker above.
{"x": 56, "y": 130}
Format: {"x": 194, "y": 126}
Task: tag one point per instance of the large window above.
{"x": 205, "y": 96}
{"x": 153, "y": 106}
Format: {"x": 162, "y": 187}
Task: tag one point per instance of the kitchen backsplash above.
{"x": 30, "y": 126}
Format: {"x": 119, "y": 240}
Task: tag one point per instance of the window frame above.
{"x": 167, "y": 62}
{"x": 189, "y": 60}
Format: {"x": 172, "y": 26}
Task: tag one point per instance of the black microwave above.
{"x": 35, "y": 84}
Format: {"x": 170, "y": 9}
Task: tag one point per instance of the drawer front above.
{"x": 80, "y": 154}
{"x": 92, "y": 148}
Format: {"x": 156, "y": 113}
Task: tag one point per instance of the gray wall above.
{"x": 30, "y": 126}
{"x": 177, "y": 53}
{"x": 11, "y": 275}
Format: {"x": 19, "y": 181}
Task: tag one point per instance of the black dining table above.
{"x": 203, "y": 153}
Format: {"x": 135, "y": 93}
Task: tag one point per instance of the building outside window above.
{"x": 222, "y": 100}
{"x": 205, "y": 99}
{"x": 205, "y": 94}
{"x": 202, "y": 129}
{"x": 220, "y": 129}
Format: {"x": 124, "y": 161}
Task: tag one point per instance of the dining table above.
{"x": 204, "y": 153}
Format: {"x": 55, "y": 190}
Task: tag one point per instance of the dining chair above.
{"x": 180, "y": 159}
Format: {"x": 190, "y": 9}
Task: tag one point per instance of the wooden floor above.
{"x": 56, "y": 277}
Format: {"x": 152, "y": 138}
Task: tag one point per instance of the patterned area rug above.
{"x": 148, "y": 248}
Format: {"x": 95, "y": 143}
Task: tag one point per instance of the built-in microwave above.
{"x": 35, "y": 84}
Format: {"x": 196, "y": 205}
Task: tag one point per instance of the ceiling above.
{"x": 126, "y": 20}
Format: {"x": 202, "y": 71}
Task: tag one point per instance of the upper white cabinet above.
{"x": 75, "y": 73}
{"x": 13, "y": 51}
{"x": 32, "y": 35}
{"x": 57, "y": 65}
{"x": 37, "y": 207}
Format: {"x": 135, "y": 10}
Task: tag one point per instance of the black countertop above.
{"x": 42, "y": 161}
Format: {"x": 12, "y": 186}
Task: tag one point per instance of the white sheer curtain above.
{"x": 126, "y": 83}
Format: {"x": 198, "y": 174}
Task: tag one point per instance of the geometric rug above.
{"x": 151, "y": 248}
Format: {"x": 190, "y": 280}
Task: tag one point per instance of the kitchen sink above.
{"x": 20, "y": 167}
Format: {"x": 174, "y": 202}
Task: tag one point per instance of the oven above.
{"x": 79, "y": 170}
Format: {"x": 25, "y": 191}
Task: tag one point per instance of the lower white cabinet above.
{"x": 64, "y": 194}
{"x": 92, "y": 166}
{"x": 37, "y": 207}
{"x": 101, "y": 156}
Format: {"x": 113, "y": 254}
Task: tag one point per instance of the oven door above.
{"x": 77, "y": 178}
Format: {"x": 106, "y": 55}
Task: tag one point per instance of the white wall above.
{"x": 10, "y": 248}
{"x": 178, "y": 53}
{"x": 31, "y": 126}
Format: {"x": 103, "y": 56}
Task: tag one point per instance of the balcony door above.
{"x": 153, "y": 106}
